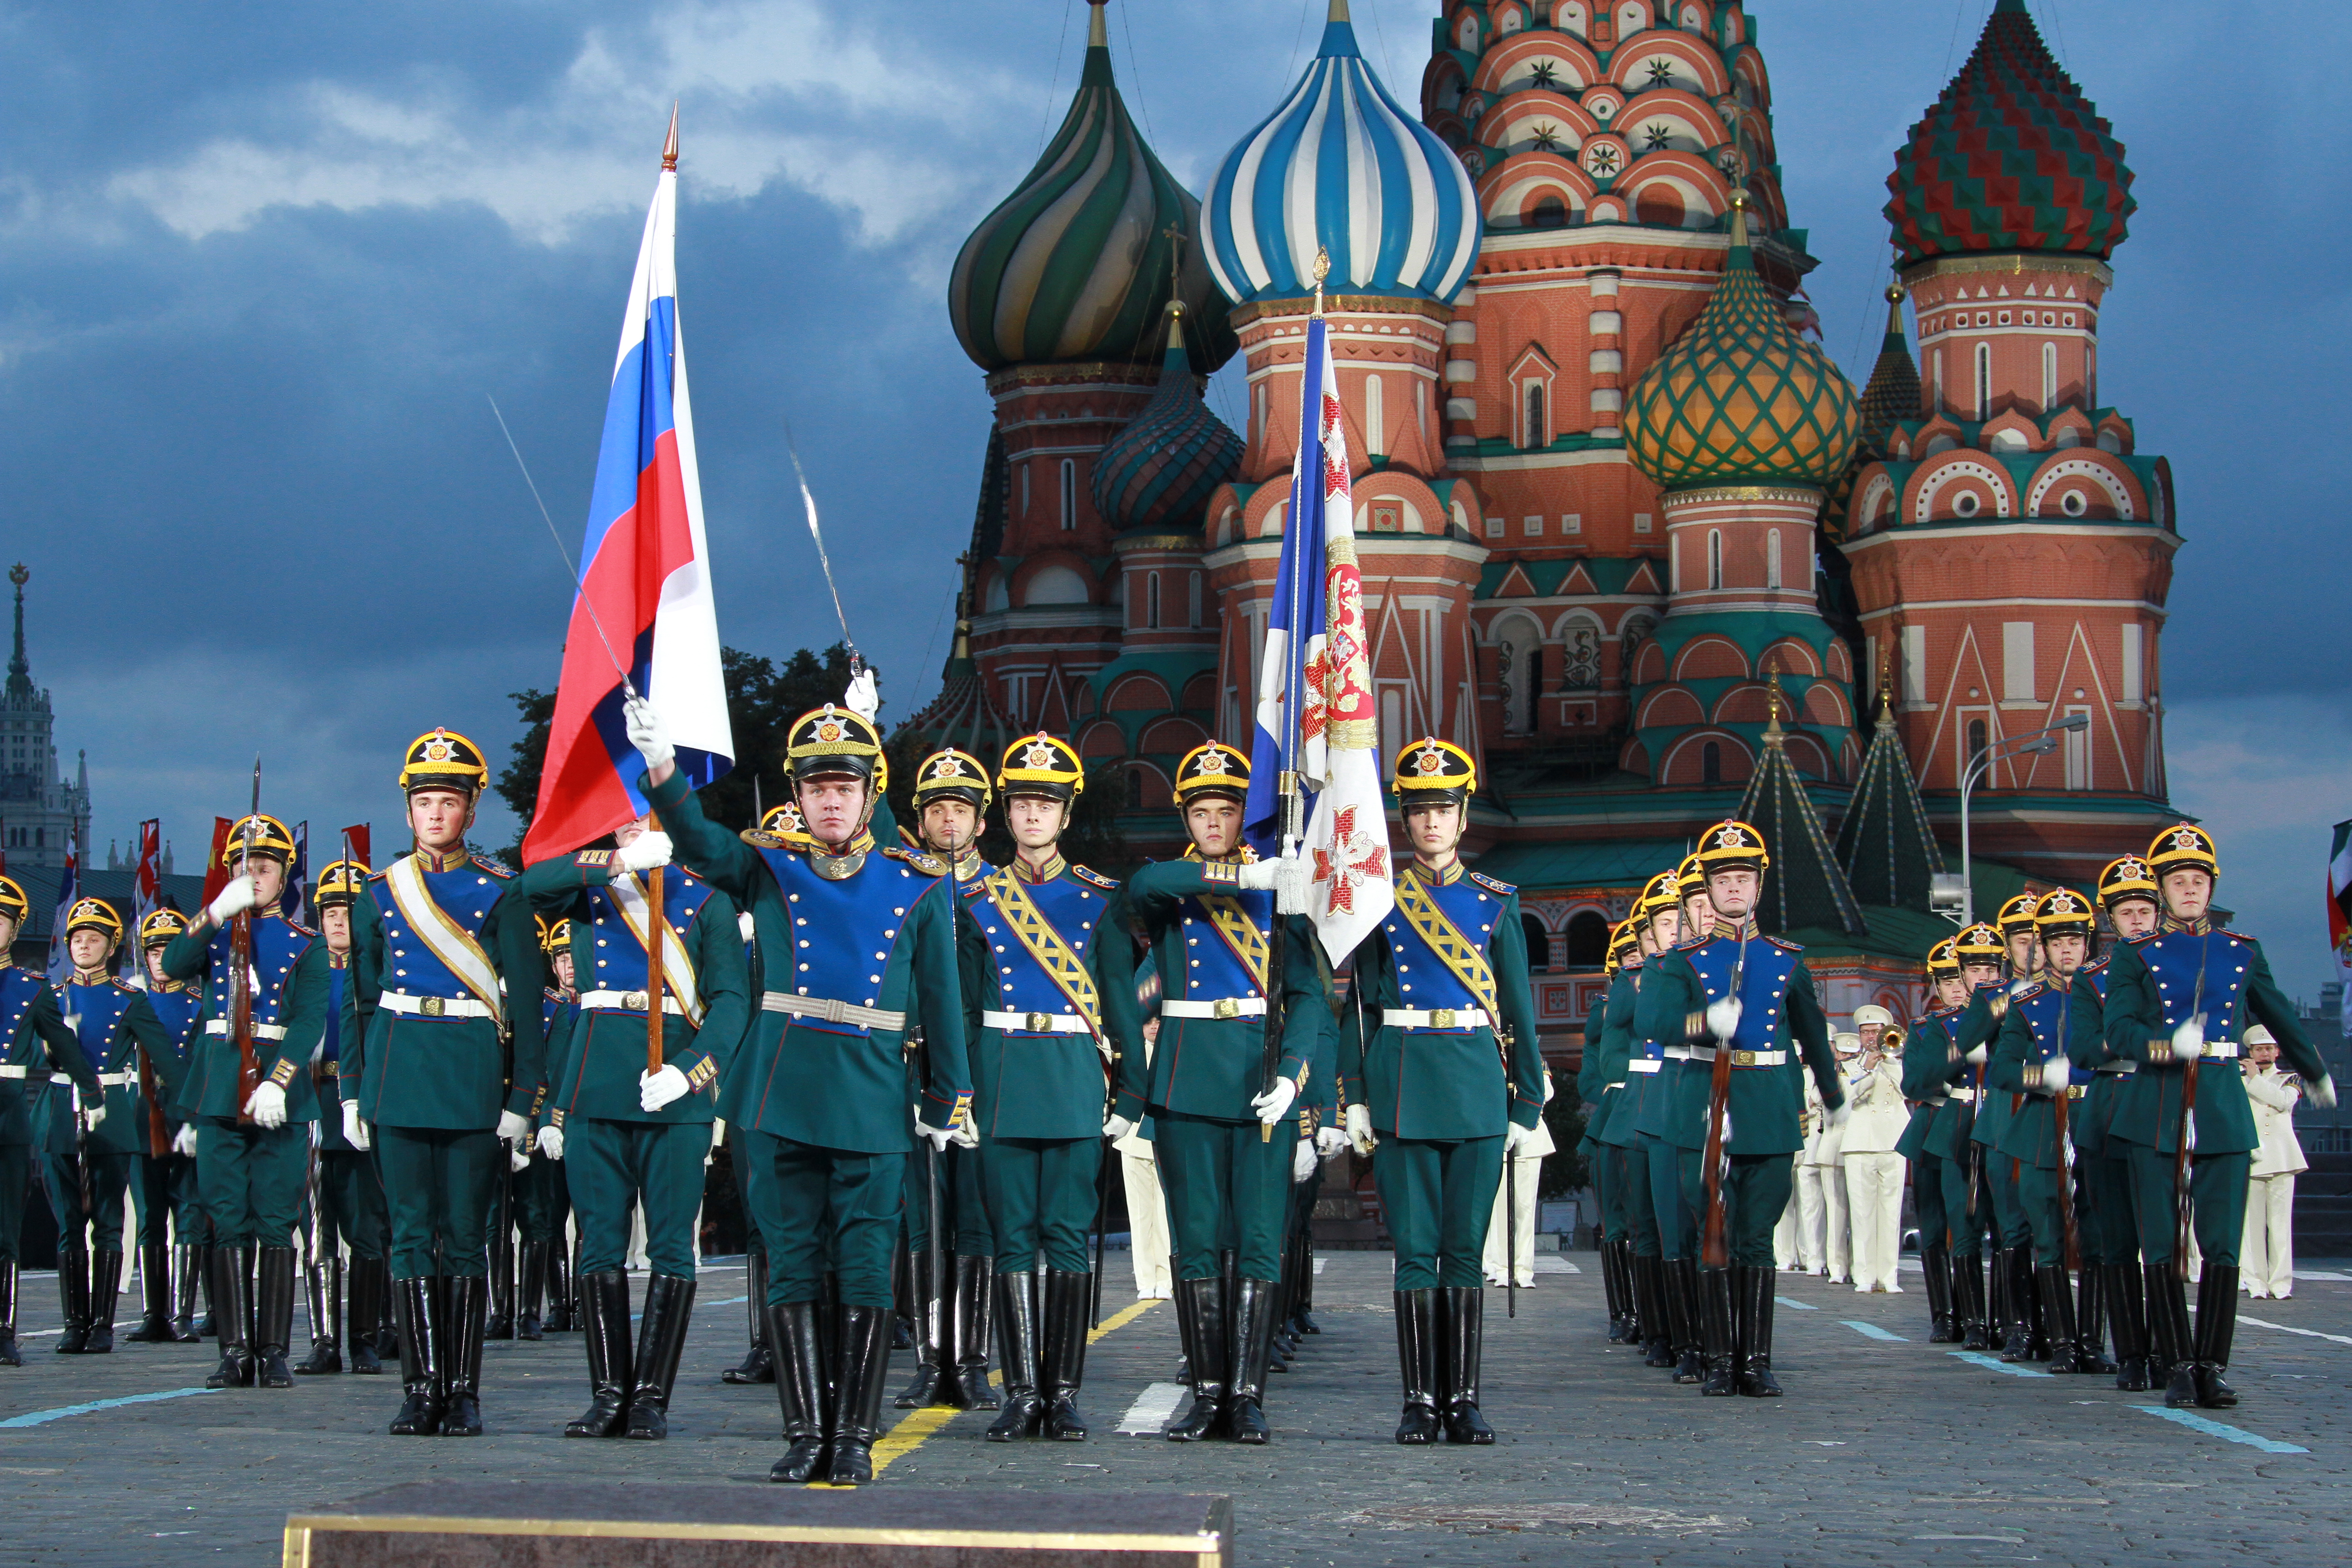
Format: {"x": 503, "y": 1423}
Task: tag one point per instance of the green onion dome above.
{"x": 1740, "y": 399}
{"x": 1075, "y": 264}
{"x": 1158, "y": 473}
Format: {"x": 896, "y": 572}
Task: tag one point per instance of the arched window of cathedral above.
{"x": 1975, "y": 739}
{"x": 1715, "y": 558}
{"x": 1984, "y": 381}
{"x": 1376, "y": 427}
{"x": 1151, "y": 601}
{"x": 1588, "y": 940}
{"x": 1710, "y": 764}
{"x": 1534, "y": 434}
{"x": 1538, "y": 942}
{"x": 1549, "y": 212}
{"x": 2049, "y": 377}
{"x": 1772, "y": 558}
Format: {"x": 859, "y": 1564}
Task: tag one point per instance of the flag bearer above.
{"x": 33, "y": 1036}
{"x": 1447, "y": 1084}
{"x": 2128, "y": 891}
{"x": 1926, "y": 1084}
{"x": 856, "y": 943}
{"x": 1740, "y": 991}
{"x": 172, "y": 1258}
{"x": 351, "y": 1195}
{"x": 92, "y": 1170}
{"x": 2178, "y": 1005}
{"x": 1208, "y": 919}
{"x": 253, "y": 1149}
{"x": 438, "y": 1074}
{"x": 1049, "y": 1004}
{"x": 632, "y": 1136}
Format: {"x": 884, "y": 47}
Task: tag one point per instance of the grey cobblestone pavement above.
{"x": 1885, "y": 1450}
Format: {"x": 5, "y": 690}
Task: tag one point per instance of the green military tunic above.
{"x": 1615, "y": 1094}
{"x": 30, "y": 1020}
{"x": 2036, "y": 1031}
{"x": 1928, "y": 1069}
{"x": 2108, "y": 1234}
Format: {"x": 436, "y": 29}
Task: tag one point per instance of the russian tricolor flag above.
{"x": 644, "y": 577}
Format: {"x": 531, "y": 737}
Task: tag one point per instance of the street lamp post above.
{"x": 2033, "y": 742}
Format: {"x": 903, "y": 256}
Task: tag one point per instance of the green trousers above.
{"x": 351, "y": 1202}
{"x": 1224, "y": 1179}
{"x": 110, "y": 1175}
{"x": 1042, "y": 1199}
{"x": 151, "y": 1183}
{"x": 1671, "y": 1208}
{"x": 545, "y": 1200}
{"x": 2217, "y": 1194}
{"x": 1640, "y": 1207}
{"x": 251, "y": 1179}
{"x": 822, "y": 1211}
{"x": 611, "y": 1166}
{"x": 963, "y": 1202}
{"x": 1965, "y": 1217}
{"x": 1756, "y": 1188}
{"x": 15, "y": 1179}
{"x": 1927, "y": 1200}
{"x": 2038, "y": 1192}
{"x": 2010, "y": 1227}
{"x": 2107, "y": 1189}
{"x": 1437, "y": 1197}
{"x": 436, "y": 1193}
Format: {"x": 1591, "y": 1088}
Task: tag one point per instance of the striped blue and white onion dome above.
{"x": 1341, "y": 166}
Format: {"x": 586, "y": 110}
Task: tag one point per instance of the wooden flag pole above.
{"x": 657, "y": 929}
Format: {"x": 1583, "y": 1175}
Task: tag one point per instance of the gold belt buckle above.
{"x": 1040, "y": 1023}
{"x": 635, "y": 1001}
{"x": 1440, "y": 1018}
{"x": 1226, "y": 1007}
{"x": 432, "y": 1007}
{"x": 1743, "y": 1059}
{"x": 2075, "y": 1091}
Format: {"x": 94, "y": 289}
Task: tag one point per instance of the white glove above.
{"x": 232, "y": 900}
{"x": 656, "y": 1090}
{"x": 1293, "y": 884}
{"x": 2188, "y": 1040}
{"x": 959, "y": 1135}
{"x": 1975, "y": 1057}
{"x": 1359, "y": 1120}
{"x": 1723, "y": 1019}
{"x": 1302, "y": 1163}
{"x": 355, "y": 1131}
{"x": 2019, "y": 988}
{"x": 184, "y": 1142}
{"x": 1275, "y": 1103}
{"x": 1515, "y": 1138}
{"x": 1258, "y": 875}
{"x": 643, "y": 853}
{"x": 1117, "y": 1128}
{"x": 511, "y": 1127}
{"x": 2321, "y": 1092}
{"x": 96, "y": 1114}
{"x": 2056, "y": 1074}
{"x": 1840, "y": 1113}
{"x": 1330, "y": 1141}
{"x": 266, "y": 1105}
{"x": 645, "y": 732}
{"x": 519, "y": 1157}
{"x": 864, "y": 697}
{"x": 746, "y": 925}
{"x": 551, "y": 1141}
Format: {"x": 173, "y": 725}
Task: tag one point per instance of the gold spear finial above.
{"x": 1322, "y": 270}
{"x": 669, "y": 143}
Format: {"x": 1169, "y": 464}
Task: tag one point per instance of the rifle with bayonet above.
{"x": 241, "y": 975}
{"x": 1715, "y": 1249}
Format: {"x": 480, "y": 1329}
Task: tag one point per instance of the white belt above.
{"x": 630, "y": 1001}
{"x": 2118, "y": 1066}
{"x": 1044, "y": 1023}
{"x": 826, "y": 1010}
{"x": 1644, "y": 1064}
{"x": 2221, "y": 1049}
{"x": 1223, "y": 1007}
{"x": 1965, "y": 1096}
{"x": 15, "y": 1071}
{"x": 117, "y": 1080}
{"x": 1434, "y": 1019}
{"x": 434, "y": 1007}
{"x": 1739, "y": 1058}
{"x": 260, "y": 1031}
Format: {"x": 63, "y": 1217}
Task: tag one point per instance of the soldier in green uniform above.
{"x": 1596, "y": 1090}
{"x": 1689, "y": 920}
{"x": 91, "y": 1172}
{"x": 2029, "y": 1061}
{"x": 633, "y": 1135}
{"x": 1224, "y": 1143}
{"x": 2127, "y": 892}
{"x": 1049, "y": 1004}
{"x": 30, "y": 1020}
{"x": 351, "y": 1209}
{"x": 171, "y": 1256}
{"x": 2016, "y": 1326}
{"x": 1446, "y": 1085}
{"x": 1960, "y": 1068}
{"x": 547, "y": 1272}
{"x": 855, "y": 944}
{"x": 2178, "y": 1004}
{"x": 439, "y": 1073}
{"x": 1740, "y": 991}
{"x": 253, "y": 1148}
{"x": 954, "y": 1289}
{"x": 1664, "y": 1300}
{"x": 1927, "y": 1083}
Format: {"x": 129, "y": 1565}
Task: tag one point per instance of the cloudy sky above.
{"x": 261, "y": 267}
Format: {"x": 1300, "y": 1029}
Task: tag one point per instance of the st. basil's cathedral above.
{"x": 1626, "y": 533}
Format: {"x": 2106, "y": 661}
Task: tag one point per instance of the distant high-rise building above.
{"x": 40, "y": 811}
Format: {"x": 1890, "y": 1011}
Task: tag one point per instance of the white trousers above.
{"x": 1530, "y": 1170}
{"x": 2267, "y": 1249}
{"x": 1812, "y": 1217}
{"x": 1147, "y": 1218}
{"x": 1786, "y": 1252}
{"x": 1873, "y": 1199}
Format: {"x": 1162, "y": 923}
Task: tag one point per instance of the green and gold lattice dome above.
{"x": 1739, "y": 398}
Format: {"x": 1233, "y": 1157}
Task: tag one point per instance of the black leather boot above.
{"x": 800, "y": 1391}
{"x": 73, "y": 1301}
{"x": 563, "y": 1308}
{"x": 1650, "y": 1306}
{"x": 2000, "y": 1313}
{"x": 462, "y": 1331}
{"x": 2057, "y": 1295}
{"x": 862, "y": 1370}
{"x": 1248, "y": 1347}
{"x": 417, "y": 1309}
{"x": 661, "y": 1336}
{"x": 975, "y": 1301}
{"x": 326, "y": 1282}
{"x": 1612, "y": 1290}
{"x": 1302, "y": 1304}
{"x": 758, "y": 1364}
{"x": 105, "y": 1295}
{"x": 924, "y": 1270}
{"x": 604, "y": 1321}
{"x": 1756, "y": 1286}
{"x": 1686, "y": 1315}
{"x": 206, "y": 1328}
{"x": 2038, "y": 1327}
{"x": 155, "y": 1294}
{"x": 1416, "y": 1322}
{"x": 2217, "y": 1326}
{"x": 1715, "y": 1332}
{"x": 499, "y": 1324}
{"x": 1063, "y": 1361}
{"x": 2017, "y": 1340}
{"x": 1636, "y": 1328}
{"x": 2127, "y": 1308}
{"x": 187, "y": 1279}
{"x": 236, "y": 1368}
{"x": 1968, "y": 1292}
{"x": 363, "y": 1307}
{"x": 2091, "y": 1312}
{"x": 1935, "y": 1267}
{"x": 902, "y": 1300}
{"x": 1200, "y": 1326}
{"x": 533, "y": 1288}
{"x": 1463, "y": 1348}
{"x": 274, "y": 1317}
{"x": 1017, "y": 1346}
{"x": 2167, "y": 1322}
{"x": 11, "y": 1352}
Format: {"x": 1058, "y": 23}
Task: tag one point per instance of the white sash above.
{"x": 447, "y": 940}
{"x": 678, "y": 969}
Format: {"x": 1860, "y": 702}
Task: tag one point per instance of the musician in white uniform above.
{"x": 1873, "y": 1170}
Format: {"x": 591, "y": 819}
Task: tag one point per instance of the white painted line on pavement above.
{"x": 1792, "y": 1301}
{"x": 1978, "y": 1358}
{"x": 1873, "y": 1332}
{"x": 42, "y": 1418}
{"x": 1148, "y": 1416}
{"x": 1554, "y": 1264}
{"x": 1318, "y": 1264}
{"x": 2291, "y": 1329}
{"x": 2206, "y": 1424}
{"x": 2319, "y": 1274}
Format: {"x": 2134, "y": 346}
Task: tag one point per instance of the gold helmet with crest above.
{"x": 951, "y": 774}
{"x": 271, "y": 838}
{"x": 12, "y": 903}
{"x": 2126, "y": 879}
{"x": 1042, "y": 765}
{"x": 1214, "y": 772}
{"x": 1431, "y": 770}
{"x": 340, "y": 883}
{"x": 2064, "y": 913}
{"x": 832, "y": 741}
{"x": 443, "y": 759}
{"x": 98, "y": 915}
{"x": 160, "y": 926}
{"x": 2181, "y": 847}
{"x": 1729, "y": 845}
